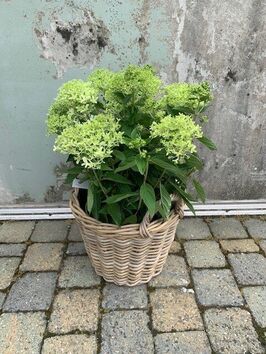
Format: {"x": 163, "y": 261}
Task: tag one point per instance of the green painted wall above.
{"x": 183, "y": 39}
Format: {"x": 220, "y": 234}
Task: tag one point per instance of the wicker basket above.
{"x": 130, "y": 254}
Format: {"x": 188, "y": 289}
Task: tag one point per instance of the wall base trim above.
{"x": 210, "y": 208}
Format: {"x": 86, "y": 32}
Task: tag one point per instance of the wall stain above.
{"x": 142, "y": 22}
{"x": 57, "y": 192}
{"x": 24, "y": 198}
{"x": 68, "y": 44}
{"x": 231, "y": 75}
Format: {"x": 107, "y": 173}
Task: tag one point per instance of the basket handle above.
{"x": 178, "y": 209}
{"x": 178, "y": 206}
{"x": 143, "y": 227}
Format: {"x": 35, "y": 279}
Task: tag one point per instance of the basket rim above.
{"x": 123, "y": 230}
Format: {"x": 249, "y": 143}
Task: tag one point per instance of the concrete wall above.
{"x": 44, "y": 43}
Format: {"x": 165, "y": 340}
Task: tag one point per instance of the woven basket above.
{"x": 130, "y": 254}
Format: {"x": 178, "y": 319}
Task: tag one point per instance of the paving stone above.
{"x": 192, "y": 229}
{"x": 77, "y": 271}
{"x": 249, "y": 269}
{"x": 174, "y": 310}
{"x": 231, "y": 331}
{"x": 123, "y": 297}
{"x": 76, "y": 249}
{"x": 74, "y": 234}
{"x": 174, "y": 273}
{"x": 14, "y": 249}
{"x": 194, "y": 342}
{"x": 256, "y": 300}
{"x": 16, "y": 231}
{"x": 263, "y": 245}
{"x": 75, "y": 310}
{"x": 8, "y": 267}
{"x": 70, "y": 344}
{"x": 21, "y": 332}
{"x": 2, "y": 298}
{"x": 204, "y": 254}
{"x": 50, "y": 231}
{"x": 256, "y": 228}
{"x": 175, "y": 247}
{"x": 32, "y": 292}
{"x": 126, "y": 332}
{"x": 226, "y": 228}
{"x": 216, "y": 287}
{"x": 42, "y": 257}
{"x": 246, "y": 245}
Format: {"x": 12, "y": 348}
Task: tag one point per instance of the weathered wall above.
{"x": 44, "y": 43}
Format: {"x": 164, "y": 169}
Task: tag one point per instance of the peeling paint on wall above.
{"x": 70, "y": 44}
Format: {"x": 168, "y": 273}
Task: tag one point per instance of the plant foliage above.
{"x": 133, "y": 139}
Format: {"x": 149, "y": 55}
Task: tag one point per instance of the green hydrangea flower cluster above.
{"x": 136, "y": 85}
{"x": 137, "y": 81}
{"x": 75, "y": 101}
{"x": 176, "y": 135}
{"x": 101, "y": 79}
{"x": 186, "y": 98}
{"x": 90, "y": 143}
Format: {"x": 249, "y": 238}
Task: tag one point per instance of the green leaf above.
{"x": 105, "y": 167}
{"x": 104, "y": 214}
{"x": 112, "y": 176}
{"x": 207, "y": 142}
{"x": 119, "y": 155}
{"x": 70, "y": 158}
{"x": 123, "y": 189}
{"x": 135, "y": 133}
{"x": 148, "y": 196}
{"x": 161, "y": 211}
{"x": 165, "y": 200}
{"x": 125, "y": 98}
{"x": 115, "y": 212}
{"x": 141, "y": 164}
{"x": 185, "y": 196}
{"x": 96, "y": 205}
{"x": 194, "y": 162}
{"x": 69, "y": 178}
{"x": 169, "y": 167}
{"x": 75, "y": 170}
{"x": 117, "y": 197}
{"x": 90, "y": 198}
{"x": 199, "y": 190}
{"x": 176, "y": 110}
{"x": 132, "y": 219}
{"x": 125, "y": 165}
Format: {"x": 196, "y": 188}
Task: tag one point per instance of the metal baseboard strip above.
{"x": 210, "y": 208}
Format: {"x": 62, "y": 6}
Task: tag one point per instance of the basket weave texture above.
{"x": 130, "y": 254}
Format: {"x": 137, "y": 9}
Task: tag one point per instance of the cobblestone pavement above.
{"x": 210, "y": 297}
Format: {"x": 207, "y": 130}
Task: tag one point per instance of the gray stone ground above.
{"x": 210, "y": 297}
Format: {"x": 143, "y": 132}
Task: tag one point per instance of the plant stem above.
{"x": 100, "y": 184}
{"x": 160, "y": 179}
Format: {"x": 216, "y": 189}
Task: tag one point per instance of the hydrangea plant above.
{"x": 133, "y": 138}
